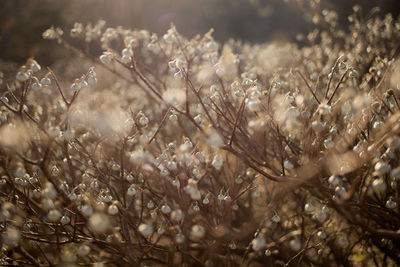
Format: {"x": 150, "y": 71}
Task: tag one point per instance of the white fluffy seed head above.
{"x": 45, "y": 81}
{"x": 390, "y": 204}
{"x": 146, "y": 229}
{"x": 131, "y": 191}
{"x": 49, "y": 191}
{"x": 179, "y": 238}
{"x": 379, "y": 186}
{"x": 320, "y": 215}
{"x": 54, "y": 215}
{"x": 105, "y": 58}
{"x": 22, "y": 76}
{"x": 217, "y": 161}
{"x": 87, "y": 210}
{"x": 112, "y": 209}
{"x": 177, "y": 215}
{"x": 65, "y": 219}
{"x": 165, "y": 209}
{"x": 130, "y": 178}
{"x": 275, "y": 218}
{"x": 11, "y": 237}
{"x": 309, "y": 207}
{"x": 340, "y": 191}
{"x": 197, "y": 231}
{"x": 334, "y": 180}
{"x": 99, "y": 222}
{"x": 143, "y": 121}
{"x": 195, "y": 194}
{"x": 382, "y": 167}
{"x": 342, "y": 242}
{"x": 295, "y": 244}
{"x": 83, "y": 250}
{"x": 321, "y": 234}
{"x": 258, "y": 243}
{"x": 288, "y": 165}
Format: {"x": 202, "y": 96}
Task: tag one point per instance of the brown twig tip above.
{"x": 54, "y": 77}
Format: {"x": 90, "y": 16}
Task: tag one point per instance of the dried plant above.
{"x": 175, "y": 151}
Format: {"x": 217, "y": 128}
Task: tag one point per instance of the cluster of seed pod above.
{"x": 201, "y": 153}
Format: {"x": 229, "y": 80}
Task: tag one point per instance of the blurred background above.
{"x": 22, "y": 22}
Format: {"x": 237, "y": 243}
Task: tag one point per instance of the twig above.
{"x": 308, "y": 86}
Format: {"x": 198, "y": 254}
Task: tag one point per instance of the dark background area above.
{"x": 23, "y": 21}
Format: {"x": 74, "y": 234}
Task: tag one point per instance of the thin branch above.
{"x": 308, "y": 86}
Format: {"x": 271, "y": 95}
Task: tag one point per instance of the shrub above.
{"x": 170, "y": 151}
